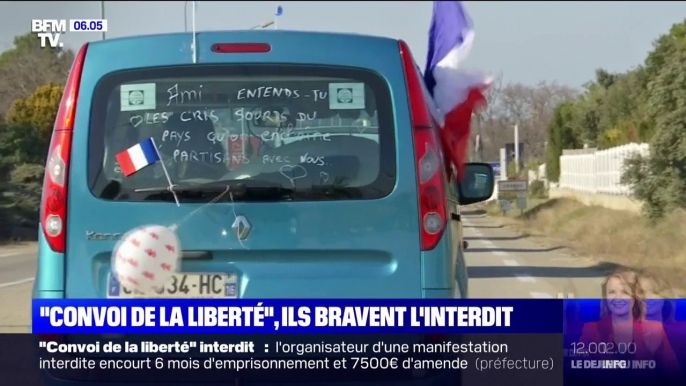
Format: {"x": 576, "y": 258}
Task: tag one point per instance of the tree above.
{"x": 23, "y": 44}
{"x": 622, "y": 111}
{"x": 27, "y": 66}
{"x": 530, "y": 107}
{"x": 660, "y": 179}
{"x": 604, "y": 78}
{"x": 560, "y": 136}
{"x": 487, "y": 120}
{"x": 38, "y": 109}
{"x": 663, "y": 48}
{"x": 20, "y": 144}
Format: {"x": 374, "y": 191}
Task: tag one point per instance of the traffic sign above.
{"x": 511, "y": 190}
{"x": 513, "y": 186}
{"x": 496, "y": 169}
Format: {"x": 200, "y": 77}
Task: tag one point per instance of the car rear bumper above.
{"x": 49, "y": 281}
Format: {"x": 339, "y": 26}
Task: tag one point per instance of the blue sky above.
{"x": 527, "y": 41}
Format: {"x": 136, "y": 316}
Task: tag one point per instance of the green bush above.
{"x": 537, "y": 189}
{"x": 27, "y": 173}
{"x": 560, "y": 136}
{"x": 38, "y": 109}
{"x": 659, "y": 180}
{"x": 22, "y": 144}
{"x": 20, "y": 198}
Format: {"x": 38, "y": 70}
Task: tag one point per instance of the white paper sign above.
{"x": 138, "y": 97}
{"x": 346, "y": 96}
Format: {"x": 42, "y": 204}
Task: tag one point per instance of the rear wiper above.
{"x": 241, "y": 189}
{"x": 186, "y": 188}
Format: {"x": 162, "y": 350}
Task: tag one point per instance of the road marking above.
{"x": 489, "y": 244}
{"x": 540, "y": 295}
{"x": 22, "y": 281}
{"x": 526, "y": 279}
{"x": 16, "y": 253}
{"x": 510, "y": 262}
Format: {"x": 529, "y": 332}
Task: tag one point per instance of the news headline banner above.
{"x": 384, "y": 359}
{"x": 192, "y": 316}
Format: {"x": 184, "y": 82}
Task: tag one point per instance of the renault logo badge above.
{"x": 241, "y": 226}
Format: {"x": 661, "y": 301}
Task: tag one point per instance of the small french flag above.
{"x": 138, "y": 156}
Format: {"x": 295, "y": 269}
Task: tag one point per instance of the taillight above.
{"x": 428, "y": 156}
{"x": 54, "y": 200}
{"x": 238, "y": 48}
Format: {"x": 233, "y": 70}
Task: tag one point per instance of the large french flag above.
{"x": 138, "y": 156}
{"x": 456, "y": 92}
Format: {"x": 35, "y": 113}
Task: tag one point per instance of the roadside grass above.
{"x": 493, "y": 208}
{"x": 618, "y": 237}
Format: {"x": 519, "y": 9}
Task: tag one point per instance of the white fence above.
{"x": 538, "y": 174}
{"x": 593, "y": 171}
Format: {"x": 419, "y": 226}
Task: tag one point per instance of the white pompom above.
{"x": 146, "y": 258}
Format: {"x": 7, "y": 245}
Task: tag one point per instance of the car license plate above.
{"x": 183, "y": 286}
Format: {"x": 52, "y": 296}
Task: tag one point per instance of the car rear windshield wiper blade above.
{"x": 186, "y": 188}
{"x": 241, "y": 189}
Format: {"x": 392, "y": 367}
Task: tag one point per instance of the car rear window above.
{"x": 325, "y": 132}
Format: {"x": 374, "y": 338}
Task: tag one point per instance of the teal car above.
{"x": 337, "y": 186}
{"x": 305, "y": 165}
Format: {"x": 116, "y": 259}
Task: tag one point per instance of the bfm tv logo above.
{"x": 49, "y": 31}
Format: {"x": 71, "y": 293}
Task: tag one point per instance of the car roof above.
{"x": 243, "y": 33}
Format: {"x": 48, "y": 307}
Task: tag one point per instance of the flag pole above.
{"x": 195, "y": 4}
{"x": 166, "y": 173}
{"x": 279, "y": 12}
{"x": 102, "y": 16}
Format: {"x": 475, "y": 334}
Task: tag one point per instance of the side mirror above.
{"x": 477, "y": 185}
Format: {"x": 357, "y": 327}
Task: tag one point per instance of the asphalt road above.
{"x": 17, "y": 269}
{"x": 501, "y": 264}
{"x": 17, "y": 265}
{"x": 506, "y": 264}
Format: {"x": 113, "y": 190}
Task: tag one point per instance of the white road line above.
{"x": 540, "y": 295}
{"x": 15, "y": 253}
{"x": 489, "y": 244}
{"x": 22, "y": 281}
{"x": 510, "y": 262}
{"x": 526, "y": 279}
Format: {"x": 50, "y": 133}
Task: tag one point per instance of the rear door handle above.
{"x": 196, "y": 255}
{"x": 455, "y": 217}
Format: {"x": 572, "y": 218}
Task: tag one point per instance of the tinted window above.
{"x": 325, "y": 132}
